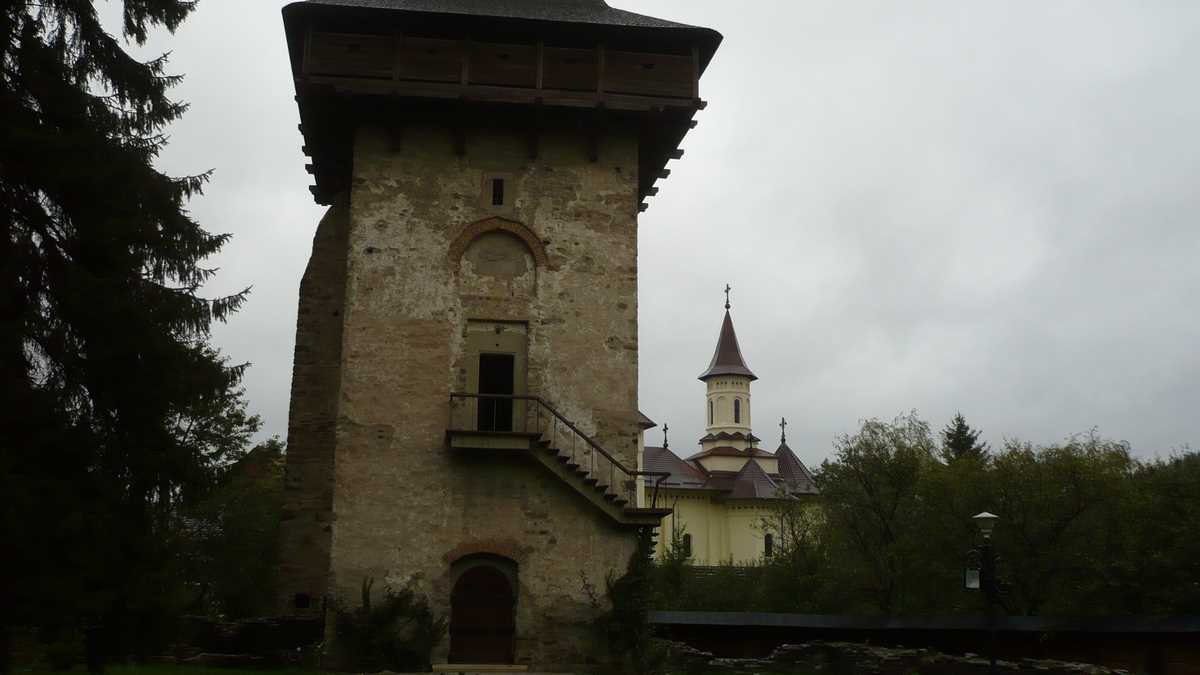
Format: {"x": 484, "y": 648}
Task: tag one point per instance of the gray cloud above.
{"x": 985, "y": 207}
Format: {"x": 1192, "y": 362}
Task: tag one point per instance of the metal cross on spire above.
{"x": 727, "y": 289}
{"x": 782, "y": 430}
{"x": 665, "y": 428}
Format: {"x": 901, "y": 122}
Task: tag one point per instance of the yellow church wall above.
{"x": 721, "y": 463}
{"x": 745, "y": 523}
{"x": 722, "y": 532}
{"x": 718, "y": 463}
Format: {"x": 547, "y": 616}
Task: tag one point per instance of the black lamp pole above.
{"x": 988, "y": 581}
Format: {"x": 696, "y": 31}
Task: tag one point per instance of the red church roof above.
{"x": 750, "y": 482}
{"x": 727, "y": 359}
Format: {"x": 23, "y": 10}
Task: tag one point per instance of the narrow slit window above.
{"x": 737, "y": 411}
{"x": 768, "y": 545}
{"x": 497, "y": 192}
{"x": 687, "y": 545}
{"x": 710, "y": 416}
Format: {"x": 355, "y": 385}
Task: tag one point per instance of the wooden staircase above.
{"x": 573, "y": 456}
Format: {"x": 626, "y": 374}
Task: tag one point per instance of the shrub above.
{"x": 398, "y": 633}
{"x": 626, "y": 626}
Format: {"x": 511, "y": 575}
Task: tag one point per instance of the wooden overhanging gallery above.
{"x": 536, "y": 74}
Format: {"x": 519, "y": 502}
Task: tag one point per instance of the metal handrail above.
{"x": 613, "y": 461}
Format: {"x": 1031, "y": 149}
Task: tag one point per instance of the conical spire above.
{"x": 727, "y": 359}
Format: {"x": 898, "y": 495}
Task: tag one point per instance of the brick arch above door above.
{"x": 479, "y": 228}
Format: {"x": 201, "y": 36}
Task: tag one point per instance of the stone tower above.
{"x": 464, "y": 400}
{"x": 727, "y": 396}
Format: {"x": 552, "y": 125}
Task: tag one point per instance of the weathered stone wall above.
{"x": 849, "y": 658}
{"x": 308, "y": 484}
{"x": 405, "y": 507}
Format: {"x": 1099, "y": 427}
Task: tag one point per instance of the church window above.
{"x": 737, "y": 411}
{"x": 768, "y": 545}
{"x": 710, "y": 416}
{"x": 497, "y": 192}
{"x": 687, "y": 545}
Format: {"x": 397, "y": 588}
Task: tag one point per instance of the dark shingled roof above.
{"x": 793, "y": 472}
{"x": 595, "y": 14}
{"x": 562, "y": 11}
{"x": 750, "y": 482}
{"x": 682, "y": 473}
{"x": 727, "y": 359}
{"x": 726, "y": 436}
{"x": 730, "y": 451}
{"x": 753, "y": 483}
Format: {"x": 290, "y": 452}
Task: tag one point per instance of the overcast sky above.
{"x": 940, "y": 206}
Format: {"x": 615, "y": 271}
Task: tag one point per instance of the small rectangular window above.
{"x": 687, "y": 545}
{"x": 768, "y": 546}
{"x": 497, "y": 191}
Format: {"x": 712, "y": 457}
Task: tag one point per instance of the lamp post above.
{"x": 980, "y": 575}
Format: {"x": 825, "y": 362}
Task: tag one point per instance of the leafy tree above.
{"x": 1158, "y": 572}
{"x": 1061, "y": 521}
{"x": 1085, "y": 529}
{"x": 626, "y": 624}
{"x": 229, "y": 539}
{"x": 792, "y": 577}
{"x": 948, "y": 495}
{"x": 114, "y": 407}
{"x": 960, "y": 441}
{"x": 870, "y": 496}
{"x": 672, "y": 565}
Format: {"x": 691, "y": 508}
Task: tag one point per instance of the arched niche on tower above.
{"x": 497, "y": 258}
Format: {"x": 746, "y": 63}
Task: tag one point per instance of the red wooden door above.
{"x": 482, "y": 617}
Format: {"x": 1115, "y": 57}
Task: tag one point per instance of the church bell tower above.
{"x": 727, "y": 397}
{"x": 464, "y": 400}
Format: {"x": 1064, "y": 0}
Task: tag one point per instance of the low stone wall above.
{"x": 849, "y": 658}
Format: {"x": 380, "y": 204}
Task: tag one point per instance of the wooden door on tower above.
{"x": 495, "y": 365}
{"x": 496, "y": 377}
{"x": 482, "y": 617}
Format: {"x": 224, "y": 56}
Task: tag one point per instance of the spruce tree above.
{"x": 112, "y": 405}
{"x": 960, "y": 441}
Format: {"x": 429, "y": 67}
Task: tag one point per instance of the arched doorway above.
{"x": 482, "y": 617}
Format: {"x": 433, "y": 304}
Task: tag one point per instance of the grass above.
{"x": 168, "y": 669}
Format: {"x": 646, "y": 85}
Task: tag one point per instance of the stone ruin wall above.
{"x": 306, "y": 526}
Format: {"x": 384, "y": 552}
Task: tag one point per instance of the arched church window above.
{"x": 737, "y": 411}
{"x": 768, "y": 545}
{"x": 687, "y": 545}
{"x": 710, "y": 417}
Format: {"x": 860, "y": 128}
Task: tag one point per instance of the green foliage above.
{"x": 718, "y": 588}
{"x": 1062, "y": 522}
{"x": 791, "y": 579}
{"x": 397, "y": 634}
{"x": 63, "y": 649}
{"x": 171, "y": 669}
{"x": 626, "y": 625}
{"x": 1158, "y": 571}
{"x": 870, "y": 495}
{"x": 229, "y": 538}
{"x": 1085, "y": 530}
{"x": 115, "y": 410}
{"x": 672, "y": 567}
{"x": 960, "y": 441}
